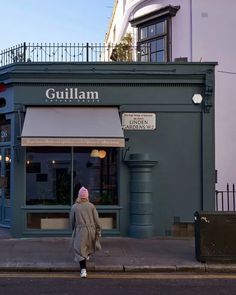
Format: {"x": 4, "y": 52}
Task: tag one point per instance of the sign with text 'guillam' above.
{"x": 71, "y": 94}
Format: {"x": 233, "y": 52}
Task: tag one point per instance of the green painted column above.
{"x": 140, "y": 166}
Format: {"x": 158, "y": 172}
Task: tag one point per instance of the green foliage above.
{"x": 123, "y": 50}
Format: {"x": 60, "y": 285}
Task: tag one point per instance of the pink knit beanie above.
{"x": 83, "y": 193}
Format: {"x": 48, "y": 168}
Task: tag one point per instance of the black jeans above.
{"x": 82, "y": 264}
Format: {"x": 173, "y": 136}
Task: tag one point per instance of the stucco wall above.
{"x": 202, "y": 30}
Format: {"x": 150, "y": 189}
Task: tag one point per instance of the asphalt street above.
{"x": 115, "y": 284}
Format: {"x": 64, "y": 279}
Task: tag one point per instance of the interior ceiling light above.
{"x": 102, "y": 154}
{"x": 94, "y": 153}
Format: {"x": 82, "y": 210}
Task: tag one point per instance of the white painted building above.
{"x": 201, "y": 30}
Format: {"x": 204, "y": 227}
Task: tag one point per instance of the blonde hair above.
{"x": 79, "y": 200}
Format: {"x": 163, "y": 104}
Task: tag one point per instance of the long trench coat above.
{"x": 86, "y": 229}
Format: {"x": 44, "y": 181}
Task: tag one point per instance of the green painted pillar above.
{"x": 140, "y": 166}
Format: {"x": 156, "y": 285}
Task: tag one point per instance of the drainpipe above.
{"x": 191, "y": 30}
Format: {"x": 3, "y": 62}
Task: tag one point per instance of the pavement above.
{"x": 118, "y": 254}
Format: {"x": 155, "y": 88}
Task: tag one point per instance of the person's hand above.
{"x": 98, "y": 235}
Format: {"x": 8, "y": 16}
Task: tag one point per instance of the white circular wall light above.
{"x": 197, "y": 98}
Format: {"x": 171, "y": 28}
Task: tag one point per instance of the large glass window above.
{"x": 48, "y": 176}
{"x": 97, "y": 170}
{"x": 54, "y": 175}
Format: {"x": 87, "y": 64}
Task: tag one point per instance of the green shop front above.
{"x": 140, "y": 137}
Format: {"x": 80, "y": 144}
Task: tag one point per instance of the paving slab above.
{"x": 118, "y": 254}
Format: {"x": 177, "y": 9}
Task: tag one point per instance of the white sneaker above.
{"x": 83, "y": 273}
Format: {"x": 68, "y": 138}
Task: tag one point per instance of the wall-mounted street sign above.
{"x": 139, "y": 121}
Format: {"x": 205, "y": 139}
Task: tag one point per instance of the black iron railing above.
{"x": 68, "y": 52}
{"x": 226, "y": 200}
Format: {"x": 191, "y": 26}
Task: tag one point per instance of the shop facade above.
{"x": 140, "y": 137}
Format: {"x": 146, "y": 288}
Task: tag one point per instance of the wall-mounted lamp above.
{"x": 197, "y": 98}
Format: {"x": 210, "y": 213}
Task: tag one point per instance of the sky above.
{"x": 58, "y": 21}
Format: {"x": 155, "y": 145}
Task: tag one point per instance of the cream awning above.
{"x": 72, "y": 126}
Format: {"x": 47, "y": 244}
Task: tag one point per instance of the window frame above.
{"x": 164, "y": 14}
{"x": 155, "y": 38}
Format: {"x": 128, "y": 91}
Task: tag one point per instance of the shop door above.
{"x": 5, "y": 197}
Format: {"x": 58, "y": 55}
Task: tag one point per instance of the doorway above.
{"x": 5, "y": 195}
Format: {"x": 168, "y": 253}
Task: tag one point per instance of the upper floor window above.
{"x": 154, "y": 34}
{"x": 153, "y": 42}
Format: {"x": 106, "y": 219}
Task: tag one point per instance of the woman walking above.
{"x": 86, "y": 229}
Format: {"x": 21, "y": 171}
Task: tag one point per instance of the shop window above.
{"x": 97, "y": 170}
{"x": 52, "y": 178}
{"x": 5, "y": 129}
{"x": 154, "y": 34}
{"x": 48, "y": 176}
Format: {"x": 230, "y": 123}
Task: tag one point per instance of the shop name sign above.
{"x": 139, "y": 121}
{"x": 71, "y": 94}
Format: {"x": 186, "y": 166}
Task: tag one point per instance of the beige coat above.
{"x": 86, "y": 229}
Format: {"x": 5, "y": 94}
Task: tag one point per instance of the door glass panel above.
{"x": 5, "y": 183}
{"x": 1, "y": 184}
{"x": 7, "y": 178}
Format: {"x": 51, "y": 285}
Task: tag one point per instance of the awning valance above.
{"x": 72, "y": 126}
